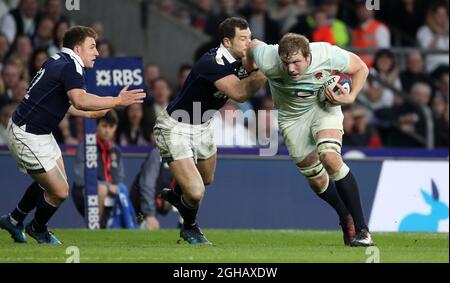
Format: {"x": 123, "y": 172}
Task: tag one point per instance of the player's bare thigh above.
{"x": 188, "y": 178}
{"x": 207, "y": 169}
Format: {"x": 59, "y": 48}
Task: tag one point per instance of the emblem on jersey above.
{"x": 318, "y": 75}
{"x": 242, "y": 73}
{"x": 219, "y": 95}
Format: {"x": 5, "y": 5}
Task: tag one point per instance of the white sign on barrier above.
{"x": 412, "y": 196}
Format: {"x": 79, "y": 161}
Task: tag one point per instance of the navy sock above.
{"x": 189, "y": 213}
{"x": 44, "y": 212}
{"x": 186, "y": 210}
{"x": 177, "y": 190}
{"x": 349, "y": 192}
{"x": 331, "y": 196}
{"x": 27, "y": 203}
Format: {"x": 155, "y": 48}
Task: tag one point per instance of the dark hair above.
{"x": 111, "y": 118}
{"x": 76, "y": 36}
{"x": 385, "y": 53}
{"x": 227, "y": 29}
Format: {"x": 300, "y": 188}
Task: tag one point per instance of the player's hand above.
{"x": 343, "y": 96}
{"x": 248, "y": 64}
{"x": 127, "y": 97}
{"x": 151, "y": 223}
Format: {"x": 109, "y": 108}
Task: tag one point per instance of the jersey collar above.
{"x": 73, "y": 55}
{"x": 227, "y": 54}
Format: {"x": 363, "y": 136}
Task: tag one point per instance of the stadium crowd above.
{"x": 407, "y": 74}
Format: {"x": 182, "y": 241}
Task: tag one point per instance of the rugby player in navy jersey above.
{"x": 59, "y": 87}
{"x": 183, "y": 131}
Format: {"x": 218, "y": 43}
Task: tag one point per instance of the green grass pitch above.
{"x": 230, "y": 246}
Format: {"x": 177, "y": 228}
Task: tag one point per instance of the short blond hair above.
{"x": 292, "y": 43}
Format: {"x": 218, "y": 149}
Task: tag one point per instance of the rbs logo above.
{"x": 113, "y": 78}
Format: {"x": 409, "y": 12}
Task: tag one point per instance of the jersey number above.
{"x": 35, "y": 80}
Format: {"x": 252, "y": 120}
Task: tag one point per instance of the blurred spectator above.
{"x": 434, "y": 35}
{"x": 376, "y": 96}
{"x": 305, "y": 22}
{"x": 11, "y": 78}
{"x": 23, "y": 48}
{"x": 44, "y": 36}
{"x": 338, "y": 28}
{"x": 184, "y": 16}
{"x": 442, "y": 85}
{"x": 132, "y": 131}
{"x": 37, "y": 60}
{"x": 5, "y": 114}
{"x": 4, "y": 49}
{"x": 230, "y": 131}
{"x": 152, "y": 178}
{"x": 22, "y": 20}
{"x": 58, "y": 34}
{"x": 160, "y": 99}
{"x": 18, "y": 92}
{"x": 322, "y": 29}
{"x": 53, "y": 9}
{"x": 415, "y": 71}
{"x": 406, "y": 16}
{"x": 183, "y": 73}
{"x": 370, "y": 33}
{"x": 166, "y": 6}
{"x": 7, "y": 5}
{"x": 285, "y": 14}
{"x": 261, "y": 25}
{"x": 357, "y": 131}
{"x": 98, "y": 28}
{"x": 201, "y": 15}
{"x": 441, "y": 126}
{"x": 104, "y": 48}
{"x": 21, "y": 66}
{"x": 227, "y": 9}
{"x": 151, "y": 73}
{"x": 403, "y": 125}
{"x": 110, "y": 169}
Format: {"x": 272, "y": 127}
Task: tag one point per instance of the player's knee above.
{"x": 195, "y": 193}
{"x": 331, "y": 161}
{"x": 316, "y": 176}
{"x": 60, "y": 195}
{"x": 330, "y": 154}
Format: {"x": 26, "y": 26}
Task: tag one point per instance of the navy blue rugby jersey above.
{"x": 46, "y": 101}
{"x": 199, "y": 94}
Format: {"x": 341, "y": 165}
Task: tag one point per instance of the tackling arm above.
{"x": 90, "y": 102}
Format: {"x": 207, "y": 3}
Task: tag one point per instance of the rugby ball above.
{"x": 342, "y": 79}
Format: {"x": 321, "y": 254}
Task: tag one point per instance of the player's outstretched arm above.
{"x": 87, "y": 114}
{"x": 91, "y": 102}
